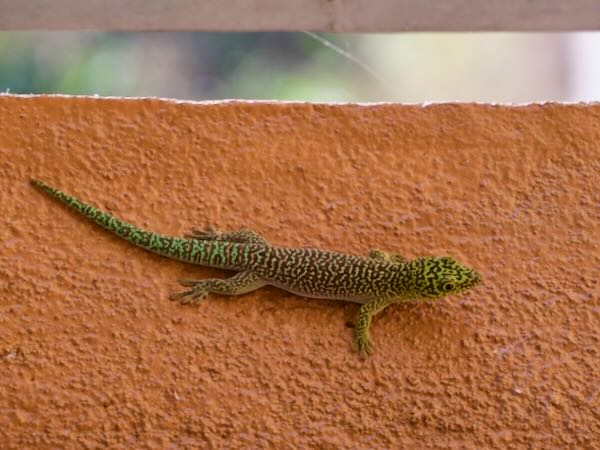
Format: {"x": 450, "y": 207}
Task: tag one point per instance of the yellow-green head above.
{"x": 433, "y": 277}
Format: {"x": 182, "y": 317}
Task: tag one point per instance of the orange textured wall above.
{"x": 93, "y": 354}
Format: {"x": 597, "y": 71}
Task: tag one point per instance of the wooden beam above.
{"x": 295, "y": 15}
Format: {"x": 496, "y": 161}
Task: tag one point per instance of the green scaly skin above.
{"x": 375, "y": 281}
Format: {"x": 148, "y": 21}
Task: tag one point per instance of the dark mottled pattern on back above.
{"x": 327, "y": 274}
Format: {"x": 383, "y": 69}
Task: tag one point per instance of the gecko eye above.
{"x": 448, "y": 286}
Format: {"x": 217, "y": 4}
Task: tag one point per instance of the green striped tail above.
{"x": 220, "y": 254}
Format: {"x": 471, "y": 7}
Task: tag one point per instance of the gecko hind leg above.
{"x": 240, "y": 283}
{"x": 389, "y": 257}
{"x": 242, "y": 235}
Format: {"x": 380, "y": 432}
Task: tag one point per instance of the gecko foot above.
{"x": 190, "y": 283}
{"x": 363, "y": 345}
{"x": 193, "y": 296}
{"x": 205, "y": 235}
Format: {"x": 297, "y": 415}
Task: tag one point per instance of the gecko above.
{"x": 374, "y": 281}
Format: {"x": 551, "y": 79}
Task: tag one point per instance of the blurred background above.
{"x": 407, "y": 67}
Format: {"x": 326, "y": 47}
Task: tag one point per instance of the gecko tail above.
{"x": 213, "y": 253}
{"x": 102, "y": 218}
{"x": 145, "y": 239}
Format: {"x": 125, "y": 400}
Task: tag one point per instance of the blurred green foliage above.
{"x": 406, "y": 67}
{"x": 185, "y": 65}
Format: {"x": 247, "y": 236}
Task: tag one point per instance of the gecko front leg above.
{"x": 363, "y": 321}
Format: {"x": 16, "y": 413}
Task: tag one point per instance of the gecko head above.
{"x": 438, "y": 277}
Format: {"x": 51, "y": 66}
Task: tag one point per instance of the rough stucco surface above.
{"x": 92, "y": 353}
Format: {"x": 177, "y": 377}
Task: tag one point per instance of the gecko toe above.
{"x": 364, "y": 347}
{"x": 197, "y": 233}
{"x": 180, "y": 295}
{"x": 189, "y": 283}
